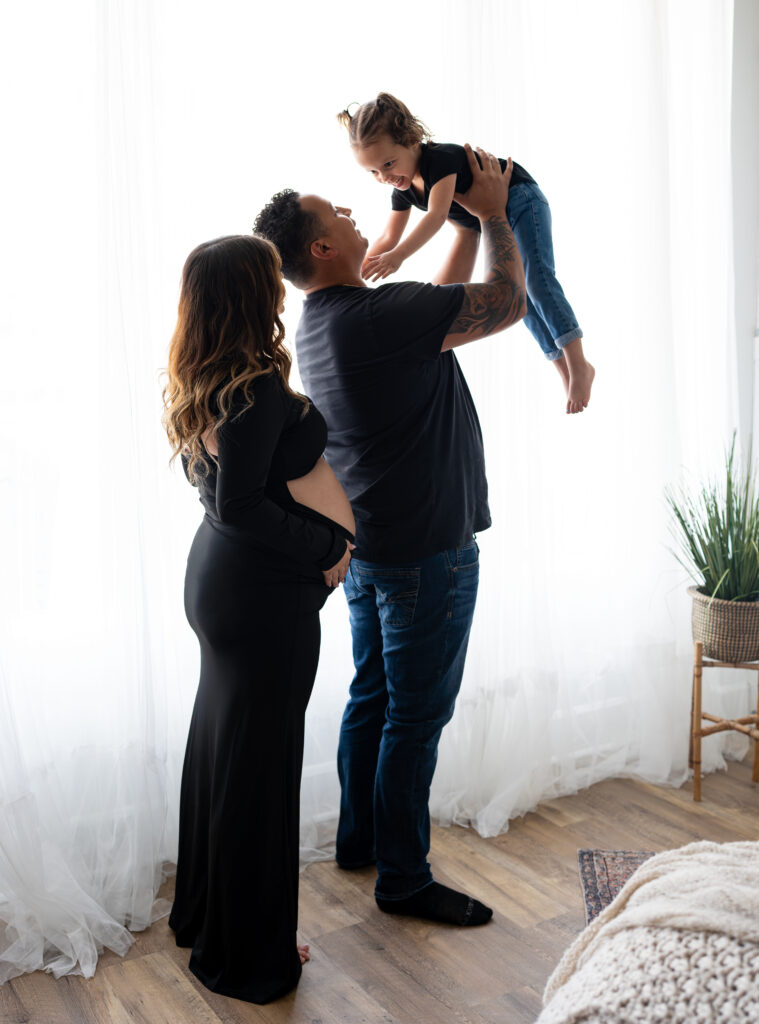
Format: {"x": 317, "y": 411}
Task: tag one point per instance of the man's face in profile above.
{"x": 340, "y": 229}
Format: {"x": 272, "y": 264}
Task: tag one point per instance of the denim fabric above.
{"x": 410, "y": 625}
{"x": 550, "y": 319}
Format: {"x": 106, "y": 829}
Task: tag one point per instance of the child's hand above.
{"x": 377, "y": 267}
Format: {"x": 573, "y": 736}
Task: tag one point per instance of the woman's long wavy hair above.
{"x": 228, "y": 333}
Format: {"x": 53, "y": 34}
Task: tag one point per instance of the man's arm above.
{"x": 501, "y": 300}
{"x": 459, "y": 264}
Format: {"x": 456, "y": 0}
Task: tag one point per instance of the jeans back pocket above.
{"x": 397, "y": 591}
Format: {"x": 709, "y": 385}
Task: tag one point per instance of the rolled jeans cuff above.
{"x": 395, "y": 897}
{"x": 566, "y": 338}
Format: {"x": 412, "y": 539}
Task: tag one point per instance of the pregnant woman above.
{"x": 274, "y": 541}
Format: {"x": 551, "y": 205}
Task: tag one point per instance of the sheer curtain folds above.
{"x": 144, "y": 128}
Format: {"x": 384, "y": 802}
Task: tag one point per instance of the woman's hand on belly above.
{"x": 320, "y": 490}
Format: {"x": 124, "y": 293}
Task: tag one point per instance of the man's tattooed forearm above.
{"x": 501, "y": 246}
{"x": 501, "y": 301}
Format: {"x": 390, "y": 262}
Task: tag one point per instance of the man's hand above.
{"x": 489, "y": 191}
{"x": 380, "y": 266}
{"x": 336, "y": 575}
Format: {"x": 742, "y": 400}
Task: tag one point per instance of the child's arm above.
{"x": 390, "y": 237}
{"x": 379, "y": 265}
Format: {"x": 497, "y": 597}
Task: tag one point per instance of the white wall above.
{"x": 745, "y": 145}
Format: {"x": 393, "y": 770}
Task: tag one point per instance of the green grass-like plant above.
{"x": 716, "y": 526}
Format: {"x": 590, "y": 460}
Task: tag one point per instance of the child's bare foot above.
{"x": 561, "y": 366}
{"x": 580, "y": 383}
{"x": 581, "y": 375}
{"x": 303, "y": 953}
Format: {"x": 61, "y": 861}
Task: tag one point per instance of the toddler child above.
{"x": 396, "y": 148}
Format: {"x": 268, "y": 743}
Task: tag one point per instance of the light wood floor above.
{"x": 368, "y": 968}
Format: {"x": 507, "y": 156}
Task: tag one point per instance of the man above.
{"x": 405, "y": 442}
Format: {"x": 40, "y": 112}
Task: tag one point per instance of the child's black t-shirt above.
{"x": 438, "y": 161}
{"x": 404, "y": 437}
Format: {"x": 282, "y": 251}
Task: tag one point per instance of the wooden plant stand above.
{"x": 749, "y": 725}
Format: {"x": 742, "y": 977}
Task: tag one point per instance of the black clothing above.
{"x": 438, "y": 161}
{"x": 404, "y": 438}
{"x": 236, "y": 901}
{"x": 245, "y": 492}
{"x": 253, "y": 591}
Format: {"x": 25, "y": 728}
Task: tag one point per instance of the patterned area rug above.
{"x": 603, "y": 873}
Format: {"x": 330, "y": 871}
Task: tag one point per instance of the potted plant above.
{"x": 716, "y": 526}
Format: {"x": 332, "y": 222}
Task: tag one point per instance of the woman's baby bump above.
{"x": 320, "y": 490}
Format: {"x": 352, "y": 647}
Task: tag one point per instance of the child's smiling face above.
{"x": 388, "y": 162}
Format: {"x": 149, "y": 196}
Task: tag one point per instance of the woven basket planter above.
{"x": 729, "y": 630}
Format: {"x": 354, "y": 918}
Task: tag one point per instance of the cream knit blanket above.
{"x": 679, "y": 943}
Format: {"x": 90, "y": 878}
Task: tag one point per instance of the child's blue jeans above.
{"x": 550, "y": 319}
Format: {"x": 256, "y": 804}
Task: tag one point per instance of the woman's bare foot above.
{"x": 581, "y": 375}
{"x": 303, "y": 953}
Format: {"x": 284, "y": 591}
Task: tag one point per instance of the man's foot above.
{"x": 580, "y": 383}
{"x": 356, "y": 865}
{"x": 437, "y": 902}
{"x": 303, "y": 953}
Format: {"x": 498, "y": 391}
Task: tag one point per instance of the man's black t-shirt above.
{"x": 439, "y": 160}
{"x": 404, "y": 438}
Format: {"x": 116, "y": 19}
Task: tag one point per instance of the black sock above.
{"x": 437, "y": 902}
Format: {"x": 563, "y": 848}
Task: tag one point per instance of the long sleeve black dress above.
{"x": 253, "y": 591}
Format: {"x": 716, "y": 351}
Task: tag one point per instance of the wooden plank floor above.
{"x": 368, "y": 968}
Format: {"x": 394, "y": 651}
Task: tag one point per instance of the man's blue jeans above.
{"x": 410, "y": 625}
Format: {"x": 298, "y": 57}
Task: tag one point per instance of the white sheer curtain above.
{"x": 144, "y": 128}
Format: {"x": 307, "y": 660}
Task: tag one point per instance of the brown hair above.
{"x": 228, "y": 333}
{"x": 383, "y": 116}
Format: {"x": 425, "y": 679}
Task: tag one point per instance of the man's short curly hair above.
{"x": 292, "y": 230}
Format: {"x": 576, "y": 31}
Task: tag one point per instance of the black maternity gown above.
{"x": 253, "y": 591}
